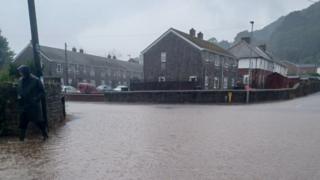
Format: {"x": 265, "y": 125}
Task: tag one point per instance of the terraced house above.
{"x": 75, "y": 66}
{"x": 257, "y": 59}
{"x": 178, "y": 57}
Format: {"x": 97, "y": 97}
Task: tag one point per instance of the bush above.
{"x": 9, "y": 74}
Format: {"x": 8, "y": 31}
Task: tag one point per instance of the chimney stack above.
{"x": 81, "y": 51}
{"x": 192, "y": 32}
{"x": 246, "y": 39}
{"x": 263, "y": 47}
{"x": 74, "y": 49}
{"x": 200, "y": 35}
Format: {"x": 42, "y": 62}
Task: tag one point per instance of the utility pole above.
{"x": 67, "y": 64}
{"x": 36, "y": 52}
{"x": 35, "y": 38}
{"x": 250, "y": 65}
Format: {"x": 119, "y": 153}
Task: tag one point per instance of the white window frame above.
{"x": 246, "y": 79}
{"x": 193, "y": 78}
{"x": 225, "y": 83}
{"x": 216, "y": 83}
{"x": 206, "y": 81}
{"x": 163, "y": 57}
{"x": 59, "y": 68}
{"x": 162, "y": 79}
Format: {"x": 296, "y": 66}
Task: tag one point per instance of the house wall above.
{"x": 93, "y": 74}
{"x": 182, "y": 60}
{"x": 262, "y": 64}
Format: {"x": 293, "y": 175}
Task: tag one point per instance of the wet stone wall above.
{"x": 9, "y": 114}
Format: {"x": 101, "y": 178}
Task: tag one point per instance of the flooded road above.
{"x": 119, "y": 141}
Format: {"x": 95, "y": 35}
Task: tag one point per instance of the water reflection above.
{"x": 272, "y": 141}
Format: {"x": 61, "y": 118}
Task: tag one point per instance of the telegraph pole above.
{"x": 67, "y": 64}
{"x": 36, "y": 52}
{"x": 35, "y": 38}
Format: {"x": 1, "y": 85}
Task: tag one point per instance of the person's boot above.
{"x": 22, "y": 135}
{"x": 44, "y": 134}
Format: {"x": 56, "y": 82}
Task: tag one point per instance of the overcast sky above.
{"x": 128, "y": 26}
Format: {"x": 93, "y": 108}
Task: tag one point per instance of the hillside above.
{"x": 295, "y": 37}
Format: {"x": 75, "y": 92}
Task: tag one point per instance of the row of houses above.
{"x": 176, "y": 60}
{"x": 74, "y": 67}
{"x": 186, "y": 57}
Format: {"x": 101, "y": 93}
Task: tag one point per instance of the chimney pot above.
{"x": 81, "y": 51}
{"x": 74, "y": 49}
{"x": 192, "y": 32}
{"x": 200, "y": 35}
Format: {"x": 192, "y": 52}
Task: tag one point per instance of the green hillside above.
{"x": 295, "y": 37}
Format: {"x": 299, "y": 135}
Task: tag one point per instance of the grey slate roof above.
{"x": 245, "y": 50}
{"x": 203, "y": 43}
{"x": 58, "y": 55}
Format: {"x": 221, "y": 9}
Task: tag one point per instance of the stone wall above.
{"x": 219, "y": 96}
{"x": 9, "y": 115}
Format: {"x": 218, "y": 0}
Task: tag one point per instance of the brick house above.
{"x": 82, "y": 67}
{"x": 178, "y": 57}
{"x": 260, "y": 61}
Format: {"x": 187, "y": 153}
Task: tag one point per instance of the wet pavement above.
{"x": 121, "y": 141}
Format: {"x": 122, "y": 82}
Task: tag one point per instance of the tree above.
{"x": 6, "y": 55}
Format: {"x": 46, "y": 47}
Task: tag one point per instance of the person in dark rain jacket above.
{"x": 30, "y": 92}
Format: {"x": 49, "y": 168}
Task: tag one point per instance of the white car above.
{"x": 121, "y": 88}
{"x": 104, "y": 88}
{"x": 69, "y": 89}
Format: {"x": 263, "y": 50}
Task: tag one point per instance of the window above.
{"x": 233, "y": 82}
{"x": 225, "y": 83}
{"x": 103, "y": 82}
{"x": 216, "y": 83}
{"x": 163, "y": 57}
{"x": 76, "y": 68}
{"x": 92, "y": 73}
{"x": 216, "y": 60}
{"x": 206, "y": 81}
{"x": 246, "y": 79}
{"x": 162, "y": 79}
{"x": 62, "y": 81}
{"x": 193, "y": 78}
{"x": 163, "y": 66}
{"x": 70, "y": 81}
{"x": 59, "y": 68}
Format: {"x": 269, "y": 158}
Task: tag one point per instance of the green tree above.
{"x": 6, "y": 54}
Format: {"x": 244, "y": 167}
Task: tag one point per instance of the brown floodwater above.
{"x": 121, "y": 141}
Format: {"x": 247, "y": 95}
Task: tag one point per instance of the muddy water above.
{"x": 108, "y": 141}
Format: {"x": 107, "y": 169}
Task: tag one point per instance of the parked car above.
{"x": 69, "y": 89}
{"x": 104, "y": 88}
{"x": 87, "y": 88}
{"x": 121, "y": 88}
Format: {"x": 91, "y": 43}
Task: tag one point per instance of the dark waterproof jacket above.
{"x": 30, "y": 92}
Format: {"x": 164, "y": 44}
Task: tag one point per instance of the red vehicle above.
{"x": 87, "y": 88}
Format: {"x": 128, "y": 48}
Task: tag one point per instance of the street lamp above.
{"x": 250, "y": 64}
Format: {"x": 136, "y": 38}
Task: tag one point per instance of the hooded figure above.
{"x": 30, "y": 92}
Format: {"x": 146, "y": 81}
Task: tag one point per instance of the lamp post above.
{"x": 36, "y": 52}
{"x": 250, "y": 65}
